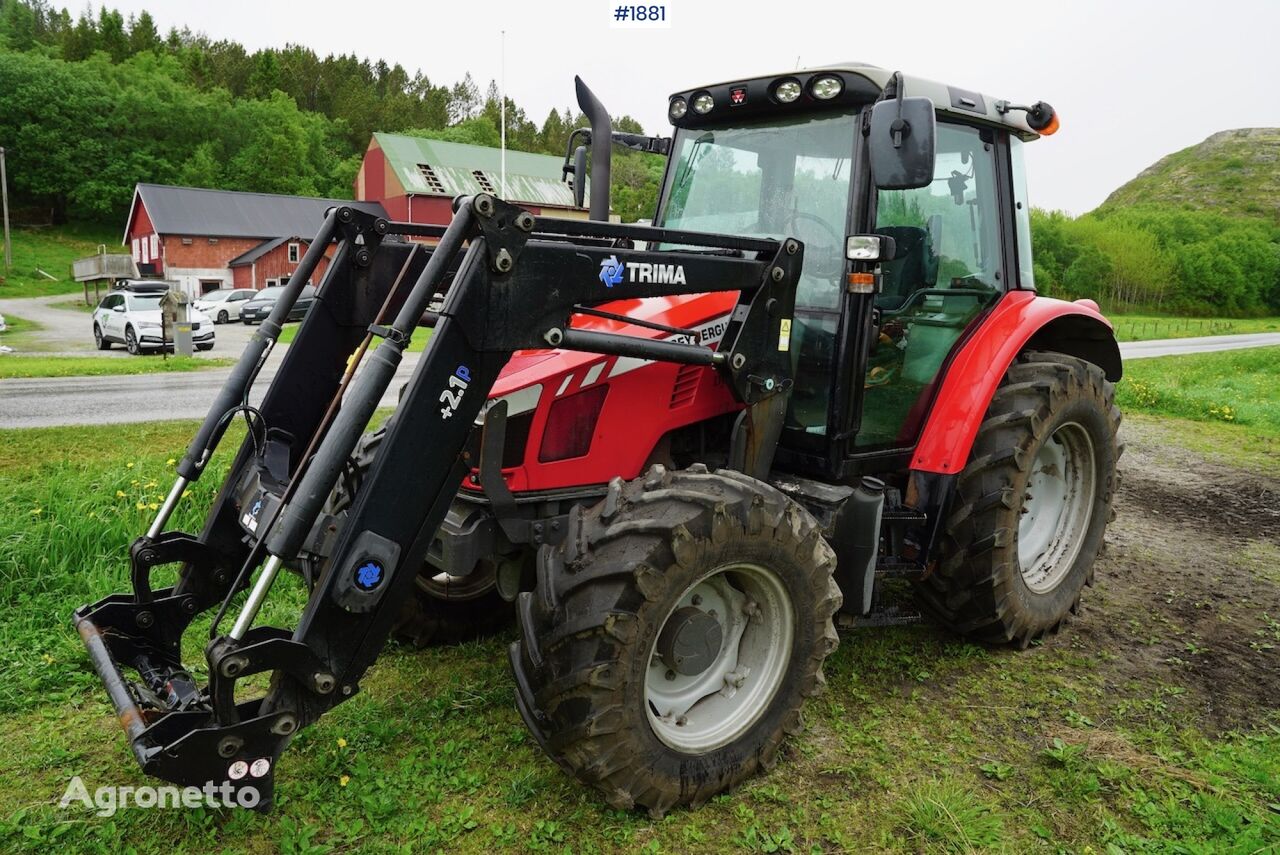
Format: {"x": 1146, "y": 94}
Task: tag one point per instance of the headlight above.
{"x": 678, "y": 108}
{"x": 827, "y": 87}
{"x": 787, "y": 91}
{"x": 703, "y": 103}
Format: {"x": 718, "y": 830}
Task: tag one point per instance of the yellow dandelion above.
{"x": 186, "y": 493}
{"x": 344, "y": 780}
{"x": 128, "y": 466}
{"x": 170, "y": 461}
{"x": 37, "y": 511}
{"x": 135, "y": 482}
{"x": 154, "y": 505}
{"x": 119, "y": 494}
{"x": 142, "y": 506}
{"x": 342, "y": 743}
{"x": 150, "y": 486}
{"x": 48, "y": 660}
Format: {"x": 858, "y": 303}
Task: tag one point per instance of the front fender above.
{"x": 1020, "y": 321}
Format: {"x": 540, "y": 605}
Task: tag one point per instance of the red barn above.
{"x": 415, "y": 179}
{"x": 208, "y": 239}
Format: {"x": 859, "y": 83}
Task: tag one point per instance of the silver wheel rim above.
{"x": 1056, "y": 508}
{"x": 705, "y": 711}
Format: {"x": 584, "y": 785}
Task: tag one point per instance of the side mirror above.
{"x": 870, "y": 248}
{"x": 117, "y": 308}
{"x": 902, "y": 143}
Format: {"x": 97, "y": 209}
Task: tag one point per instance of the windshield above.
{"x": 268, "y": 293}
{"x": 215, "y": 296}
{"x": 787, "y": 178}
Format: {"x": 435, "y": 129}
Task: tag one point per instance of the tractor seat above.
{"x": 914, "y": 266}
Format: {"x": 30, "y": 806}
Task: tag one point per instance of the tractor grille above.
{"x": 686, "y": 385}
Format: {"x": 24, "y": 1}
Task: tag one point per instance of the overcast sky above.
{"x": 1132, "y": 80}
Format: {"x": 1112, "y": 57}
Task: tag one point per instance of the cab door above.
{"x": 950, "y": 266}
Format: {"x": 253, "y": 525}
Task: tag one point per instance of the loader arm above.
{"x": 516, "y": 281}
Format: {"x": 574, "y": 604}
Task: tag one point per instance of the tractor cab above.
{"x": 801, "y": 155}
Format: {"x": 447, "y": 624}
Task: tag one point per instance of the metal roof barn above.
{"x": 226, "y": 213}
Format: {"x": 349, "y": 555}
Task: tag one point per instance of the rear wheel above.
{"x": 1031, "y": 508}
{"x": 674, "y": 636}
{"x": 223, "y": 317}
{"x": 445, "y": 609}
{"x": 99, "y": 339}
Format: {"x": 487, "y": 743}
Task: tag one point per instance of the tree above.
{"x": 143, "y": 35}
{"x": 464, "y": 100}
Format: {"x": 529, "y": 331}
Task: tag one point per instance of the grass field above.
{"x": 52, "y": 250}
{"x": 1151, "y": 327}
{"x": 98, "y": 366}
{"x": 17, "y": 331}
{"x": 1236, "y": 387}
{"x": 922, "y": 743}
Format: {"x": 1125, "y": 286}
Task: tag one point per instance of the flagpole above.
{"x": 502, "y": 98}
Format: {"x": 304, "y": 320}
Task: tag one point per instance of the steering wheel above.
{"x": 821, "y": 260}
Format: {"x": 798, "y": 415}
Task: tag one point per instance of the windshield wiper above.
{"x": 694, "y": 157}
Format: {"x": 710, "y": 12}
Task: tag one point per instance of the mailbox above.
{"x": 177, "y": 325}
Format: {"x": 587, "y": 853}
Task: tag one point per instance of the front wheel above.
{"x": 673, "y": 638}
{"x": 1031, "y": 507}
{"x": 131, "y": 341}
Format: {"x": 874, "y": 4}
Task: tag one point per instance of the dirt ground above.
{"x": 1190, "y": 582}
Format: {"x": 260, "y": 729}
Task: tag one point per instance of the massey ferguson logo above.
{"x": 612, "y": 272}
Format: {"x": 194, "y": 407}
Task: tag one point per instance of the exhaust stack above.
{"x": 601, "y": 149}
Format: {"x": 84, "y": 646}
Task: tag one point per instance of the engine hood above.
{"x": 691, "y": 312}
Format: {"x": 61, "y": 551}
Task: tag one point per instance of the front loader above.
{"x": 681, "y": 454}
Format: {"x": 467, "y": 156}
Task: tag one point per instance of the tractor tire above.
{"x": 445, "y": 609}
{"x": 1030, "y": 509}
{"x": 615, "y": 613}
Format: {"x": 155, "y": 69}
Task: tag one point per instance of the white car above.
{"x": 133, "y": 319}
{"x": 224, "y": 304}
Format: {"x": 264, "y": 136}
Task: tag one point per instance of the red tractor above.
{"x": 688, "y": 452}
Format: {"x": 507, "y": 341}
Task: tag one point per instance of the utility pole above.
{"x": 502, "y": 98}
{"x": 4, "y": 202}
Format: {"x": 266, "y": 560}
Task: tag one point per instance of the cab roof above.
{"x": 863, "y": 83}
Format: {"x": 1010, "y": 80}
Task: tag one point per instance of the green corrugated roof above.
{"x": 534, "y": 179}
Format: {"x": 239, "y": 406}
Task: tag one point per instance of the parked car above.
{"x": 255, "y": 311}
{"x": 224, "y": 304}
{"x": 134, "y": 320}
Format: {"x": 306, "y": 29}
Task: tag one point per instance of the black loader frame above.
{"x": 513, "y": 282}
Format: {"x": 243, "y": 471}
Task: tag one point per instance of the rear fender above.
{"x": 1020, "y": 321}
